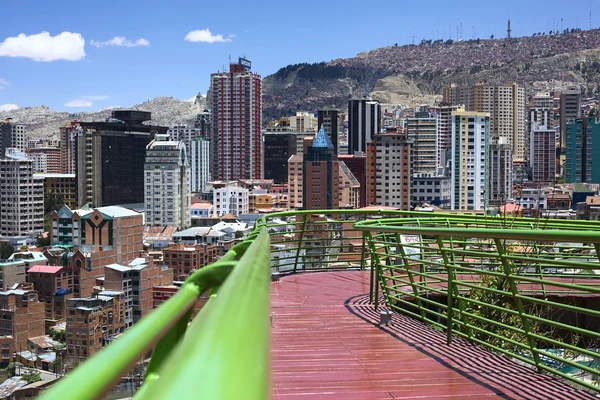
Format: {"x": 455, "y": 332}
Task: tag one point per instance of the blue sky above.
{"x": 123, "y": 52}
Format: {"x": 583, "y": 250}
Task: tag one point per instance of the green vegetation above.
{"x": 32, "y": 376}
{"x": 6, "y": 250}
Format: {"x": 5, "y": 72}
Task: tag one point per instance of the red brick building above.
{"x": 51, "y": 283}
{"x": 21, "y": 317}
{"x": 137, "y": 280}
{"x": 92, "y": 323}
{"x": 97, "y": 237}
{"x": 183, "y": 259}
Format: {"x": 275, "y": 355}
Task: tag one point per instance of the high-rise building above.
{"x": 12, "y": 136}
{"x": 45, "y": 159}
{"x": 278, "y": 148}
{"x": 364, "y": 122}
{"x": 500, "y": 174}
{"x": 197, "y": 145}
{"x": 422, "y": 131}
{"x": 393, "y": 170}
{"x": 505, "y": 105}
{"x": 68, "y": 144}
{"x": 542, "y": 153}
{"x": 444, "y": 113}
{"x": 295, "y": 181}
{"x": 110, "y": 159}
{"x": 570, "y": 109}
{"x": 167, "y": 183}
{"x": 542, "y": 110}
{"x": 469, "y": 160}
{"x": 21, "y": 196}
{"x": 321, "y": 182}
{"x": 235, "y": 99}
{"x": 304, "y": 122}
{"x": 583, "y": 151}
{"x": 329, "y": 120}
{"x": 199, "y": 157}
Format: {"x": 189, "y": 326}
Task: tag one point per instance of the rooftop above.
{"x": 45, "y": 269}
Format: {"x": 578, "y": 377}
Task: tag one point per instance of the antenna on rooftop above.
{"x": 561, "y": 24}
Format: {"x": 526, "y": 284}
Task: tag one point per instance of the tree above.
{"x": 492, "y": 37}
{"x": 32, "y": 376}
{"x": 11, "y": 370}
{"x": 52, "y": 202}
{"x": 6, "y": 250}
{"x": 239, "y": 234}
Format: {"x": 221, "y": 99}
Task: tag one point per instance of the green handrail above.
{"x": 487, "y": 289}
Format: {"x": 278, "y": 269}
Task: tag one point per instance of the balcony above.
{"x": 375, "y": 305}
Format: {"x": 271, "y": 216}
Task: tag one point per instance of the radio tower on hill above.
{"x": 508, "y": 30}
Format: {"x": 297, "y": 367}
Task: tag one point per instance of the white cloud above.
{"x": 78, "y": 103}
{"x": 4, "y": 83}
{"x": 8, "y": 107}
{"x": 191, "y": 100}
{"x": 205, "y": 36}
{"x": 121, "y": 41}
{"x": 43, "y": 47}
{"x": 97, "y": 97}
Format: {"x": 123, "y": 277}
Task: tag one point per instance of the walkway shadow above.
{"x": 498, "y": 373}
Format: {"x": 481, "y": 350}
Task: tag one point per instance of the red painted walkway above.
{"x": 326, "y": 345}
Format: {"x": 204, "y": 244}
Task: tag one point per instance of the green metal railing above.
{"x": 531, "y": 294}
{"x": 485, "y": 279}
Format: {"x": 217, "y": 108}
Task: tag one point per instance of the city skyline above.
{"x": 161, "y": 50}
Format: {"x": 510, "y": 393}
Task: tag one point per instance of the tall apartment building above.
{"x": 278, "y": 148}
{"x": 583, "y": 151}
{"x": 199, "y": 158}
{"x": 110, "y": 159}
{"x": 183, "y": 133}
{"x": 329, "y": 120}
{"x": 469, "y": 160}
{"x": 393, "y": 170}
{"x": 570, "y": 109}
{"x": 364, "y": 122}
{"x": 167, "y": 183}
{"x": 444, "y": 113}
{"x": 500, "y": 175}
{"x": 505, "y": 105}
{"x": 295, "y": 181}
{"x": 68, "y": 144}
{"x": 12, "y": 136}
{"x": 231, "y": 200}
{"x": 321, "y": 169}
{"x": 95, "y": 238}
{"x": 235, "y": 99}
{"x": 45, "y": 159}
{"x": 21, "y": 196}
{"x": 542, "y": 153}
{"x": 542, "y": 110}
{"x": 304, "y": 122}
{"x": 423, "y": 132}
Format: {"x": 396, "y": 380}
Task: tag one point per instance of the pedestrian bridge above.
{"x": 368, "y": 304}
